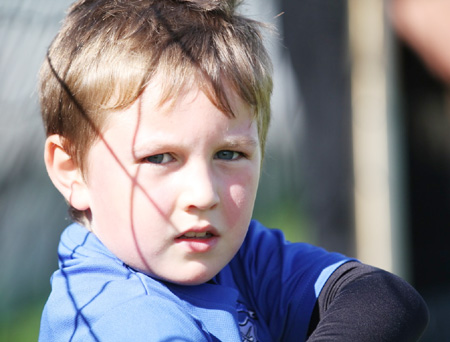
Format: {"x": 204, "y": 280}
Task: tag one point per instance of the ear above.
{"x": 65, "y": 174}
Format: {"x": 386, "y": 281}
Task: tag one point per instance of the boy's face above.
{"x": 171, "y": 188}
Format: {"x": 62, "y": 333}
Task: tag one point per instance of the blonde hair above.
{"x": 107, "y": 51}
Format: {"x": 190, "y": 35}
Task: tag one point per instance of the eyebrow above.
{"x": 241, "y": 141}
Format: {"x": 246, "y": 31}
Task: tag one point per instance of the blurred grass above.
{"x": 288, "y": 216}
{"x": 22, "y": 325}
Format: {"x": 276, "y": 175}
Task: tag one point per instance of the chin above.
{"x": 192, "y": 281}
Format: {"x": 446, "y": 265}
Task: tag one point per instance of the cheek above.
{"x": 241, "y": 198}
{"x": 152, "y": 198}
{"x": 152, "y": 201}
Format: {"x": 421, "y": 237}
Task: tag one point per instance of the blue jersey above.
{"x": 266, "y": 293}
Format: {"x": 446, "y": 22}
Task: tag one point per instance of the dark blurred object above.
{"x": 427, "y": 118}
{"x": 424, "y": 60}
{"x": 316, "y": 36}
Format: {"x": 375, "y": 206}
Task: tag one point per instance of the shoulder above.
{"x": 279, "y": 279}
{"x": 141, "y": 318}
{"x": 147, "y": 318}
{"x": 95, "y": 297}
{"x": 267, "y": 249}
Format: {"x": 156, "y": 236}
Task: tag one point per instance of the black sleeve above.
{"x": 363, "y": 303}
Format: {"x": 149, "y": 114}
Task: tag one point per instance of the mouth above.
{"x": 198, "y": 240}
{"x": 192, "y": 235}
{"x": 198, "y": 233}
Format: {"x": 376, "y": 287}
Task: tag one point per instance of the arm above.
{"x": 362, "y": 303}
{"x": 280, "y": 281}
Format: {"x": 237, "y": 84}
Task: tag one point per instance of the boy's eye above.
{"x": 161, "y": 158}
{"x": 227, "y": 155}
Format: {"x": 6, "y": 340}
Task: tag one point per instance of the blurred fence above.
{"x": 31, "y": 212}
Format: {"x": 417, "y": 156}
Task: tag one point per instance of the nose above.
{"x": 200, "y": 187}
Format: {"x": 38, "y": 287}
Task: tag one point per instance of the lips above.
{"x": 198, "y": 234}
{"x": 198, "y": 240}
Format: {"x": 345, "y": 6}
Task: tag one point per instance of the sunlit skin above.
{"x": 171, "y": 188}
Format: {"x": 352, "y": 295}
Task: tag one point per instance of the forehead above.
{"x": 165, "y": 93}
{"x": 190, "y": 110}
{"x": 194, "y": 106}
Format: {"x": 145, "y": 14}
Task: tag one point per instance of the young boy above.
{"x": 156, "y": 113}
